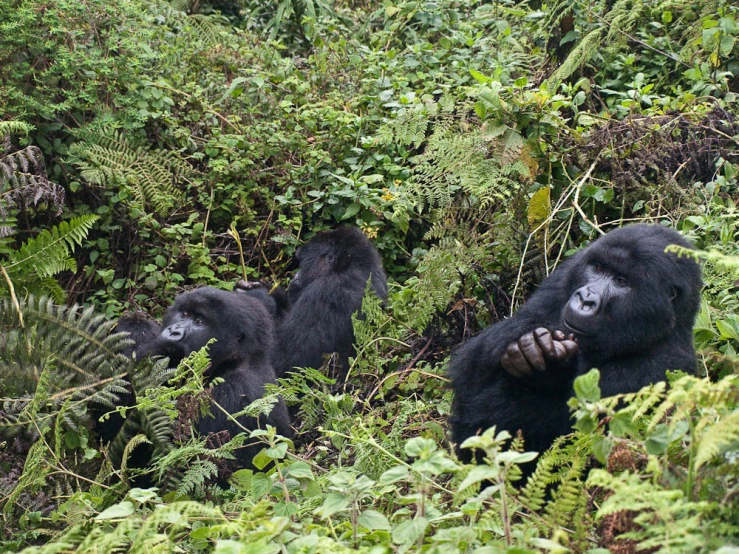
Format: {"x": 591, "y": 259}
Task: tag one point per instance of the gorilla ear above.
{"x": 674, "y": 293}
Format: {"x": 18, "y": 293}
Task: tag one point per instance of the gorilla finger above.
{"x": 517, "y": 365}
{"x": 505, "y": 361}
{"x": 565, "y": 349}
{"x": 558, "y": 335}
{"x": 532, "y": 351}
{"x": 248, "y": 285}
{"x": 571, "y": 347}
{"x": 544, "y": 338}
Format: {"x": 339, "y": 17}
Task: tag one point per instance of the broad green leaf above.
{"x": 409, "y": 532}
{"x": 586, "y": 386}
{"x": 372, "y": 520}
{"x": 334, "y": 502}
{"x": 116, "y": 511}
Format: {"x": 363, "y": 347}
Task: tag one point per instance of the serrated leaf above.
{"x": 334, "y": 502}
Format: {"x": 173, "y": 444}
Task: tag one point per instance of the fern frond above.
{"x": 151, "y": 176}
{"x": 14, "y": 128}
{"x": 718, "y": 437}
{"x": 60, "y": 359}
{"x": 49, "y": 252}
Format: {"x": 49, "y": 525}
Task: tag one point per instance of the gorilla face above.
{"x": 627, "y": 293}
{"x": 603, "y": 286}
{"x": 239, "y": 323}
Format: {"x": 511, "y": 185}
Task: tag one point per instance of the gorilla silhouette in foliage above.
{"x": 242, "y": 327}
{"x": 328, "y": 288}
{"x": 140, "y": 328}
{"x": 316, "y": 318}
{"x": 621, "y": 305}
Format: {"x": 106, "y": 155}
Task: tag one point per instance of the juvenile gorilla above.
{"x": 242, "y": 328}
{"x": 140, "y": 329}
{"x": 327, "y": 289}
{"x": 621, "y": 305}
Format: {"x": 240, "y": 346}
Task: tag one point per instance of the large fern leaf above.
{"x": 150, "y": 176}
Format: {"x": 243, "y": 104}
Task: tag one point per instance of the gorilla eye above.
{"x": 185, "y": 313}
{"x": 622, "y": 281}
{"x": 199, "y": 320}
{"x": 598, "y": 268}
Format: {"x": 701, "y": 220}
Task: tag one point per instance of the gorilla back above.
{"x": 327, "y": 289}
{"x": 242, "y": 327}
{"x": 622, "y": 305}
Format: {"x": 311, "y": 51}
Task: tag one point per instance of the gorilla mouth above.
{"x": 574, "y": 329}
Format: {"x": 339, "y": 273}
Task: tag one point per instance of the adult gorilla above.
{"x": 242, "y": 327}
{"x": 622, "y": 305}
{"x": 328, "y": 288}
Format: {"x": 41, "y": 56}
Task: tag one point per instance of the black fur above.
{"x": 327, "y": 289}
{"x": 140, "y": 328}
{"x": 634, "y": 339}
{"x": 242, "y": 327}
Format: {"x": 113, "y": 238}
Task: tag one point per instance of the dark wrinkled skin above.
{"x": 621, "y": 305}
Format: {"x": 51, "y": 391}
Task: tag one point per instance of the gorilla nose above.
{"x": 174, "y": 333}
{"x": 587, "y": 302}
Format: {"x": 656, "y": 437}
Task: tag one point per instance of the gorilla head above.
{"x": 240, "y": 324}
{"x": 140, "y": 329}
{"x": 342, "y": 254}
{"x": 628, "y": 293}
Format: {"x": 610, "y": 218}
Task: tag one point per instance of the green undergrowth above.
{"x": 151, "y": 147}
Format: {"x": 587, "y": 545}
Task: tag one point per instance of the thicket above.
{"x": 152, "y": 146}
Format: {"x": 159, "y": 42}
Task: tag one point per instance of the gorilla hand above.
{"x": 532, "y": 350}
{"x": 244, "y": 285}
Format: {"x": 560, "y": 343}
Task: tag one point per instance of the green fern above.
{"x": 462, "y": 155}
{"x": 78, "y": 347}
{"x": 31, "y": 268}
{"x": 150, "y": 176}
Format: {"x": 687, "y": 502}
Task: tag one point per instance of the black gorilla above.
{"x": 316, "y": 319}
{"x": 140, "y": 328}
{"x": 243, "y": 331}
{"x": 628, "y": 309}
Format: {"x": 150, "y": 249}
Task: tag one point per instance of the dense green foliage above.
{"x": 153, "y": 146}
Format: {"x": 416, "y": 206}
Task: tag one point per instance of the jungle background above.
{"x": 149, "y": 147}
